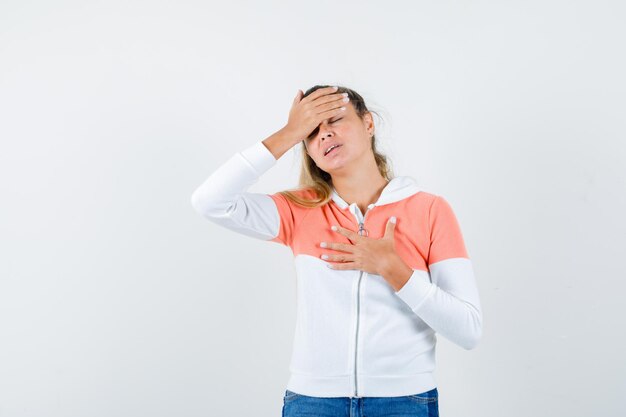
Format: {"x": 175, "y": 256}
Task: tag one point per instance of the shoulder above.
{"x": 433, "y": 205}
{"x": 288, "y": 198}
{"x": 431, "y": 197}
{"x": 424, "y": 198}
{"x": 308, "y": 193}
{"x": 303, "y": 193}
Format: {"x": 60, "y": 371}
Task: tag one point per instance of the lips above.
{"x": 333, "y": 150}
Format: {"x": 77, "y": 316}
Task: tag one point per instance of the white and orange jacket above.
{"x": 355, "y": 335}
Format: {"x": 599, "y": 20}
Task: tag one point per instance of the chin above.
{"x": 333, "y": 168}
{"x": 333, "y": 164}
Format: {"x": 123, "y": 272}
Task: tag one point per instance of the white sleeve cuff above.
{"x": 417, "y": 289}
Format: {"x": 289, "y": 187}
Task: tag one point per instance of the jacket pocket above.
{"x": 425, "y": 397}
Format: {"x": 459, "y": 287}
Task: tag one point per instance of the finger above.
{"x": 345, "y": 265}
{"x": 345, "y": 247}
{"x": 330, "y": 102}
{"x": 327, "y": 106}
{"x": 337, "y": 258}
{"x": 355, "y": 237}
{"x": 298, "y": 97}
{"x": 391, "y": 225}
{"x": 320, "y": 92}
{"x": 334, "y": 107}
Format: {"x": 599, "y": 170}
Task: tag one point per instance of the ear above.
{"x": 369, "y": 123}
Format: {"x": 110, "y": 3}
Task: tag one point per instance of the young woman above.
{"x": 381, "y": 265}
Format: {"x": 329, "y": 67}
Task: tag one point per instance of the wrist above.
{"x": 397, "y": 273}
{"x": 290, "y": 135}
{"x": 279, "y": 142}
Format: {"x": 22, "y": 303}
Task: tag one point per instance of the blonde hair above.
{"x": 315, "y": 186}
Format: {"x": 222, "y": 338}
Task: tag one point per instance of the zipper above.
{"x": 358, "y": 303}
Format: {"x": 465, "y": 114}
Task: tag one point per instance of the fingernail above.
{"x": 333, "y": 227}
{"x": 393, "y": 219}
{"x": 324, "y": 256}
{"x": 323, "y": 244}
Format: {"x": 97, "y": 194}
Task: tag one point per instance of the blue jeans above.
{"x": 417, "y": 405}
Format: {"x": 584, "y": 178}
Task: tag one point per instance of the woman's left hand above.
{"x": 375, "y": 256}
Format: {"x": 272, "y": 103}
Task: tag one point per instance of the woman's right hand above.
{"x": 306, "y": 114}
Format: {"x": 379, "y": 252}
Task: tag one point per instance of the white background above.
{"x": 117, "y": 299}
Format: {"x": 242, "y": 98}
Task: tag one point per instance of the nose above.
{"x": 320, "y": 131}
{"x": 323, "y": 132}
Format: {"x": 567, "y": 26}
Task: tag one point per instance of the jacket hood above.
{"x": 397, "y": 189}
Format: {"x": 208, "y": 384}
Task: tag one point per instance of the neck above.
{"x": 362, "y": 186}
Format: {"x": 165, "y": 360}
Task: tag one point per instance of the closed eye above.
{"x": 316, "y": 129}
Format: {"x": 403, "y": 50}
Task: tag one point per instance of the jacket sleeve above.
{"x": 446, "y": 298}
{"x": 222, "y": 198}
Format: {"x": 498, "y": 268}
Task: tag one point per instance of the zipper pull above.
{"x": 362, "y": 229}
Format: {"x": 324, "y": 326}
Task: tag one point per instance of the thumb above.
{"x": 297, "y": 97}
{"x": 391, "y": 225}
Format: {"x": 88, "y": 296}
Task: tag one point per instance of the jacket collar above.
{"x": 397, "y": 189}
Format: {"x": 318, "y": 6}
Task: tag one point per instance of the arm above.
{"x": 446, "y": 298}
{"x": 222, "y": 198}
